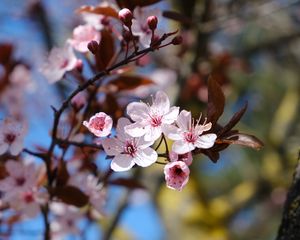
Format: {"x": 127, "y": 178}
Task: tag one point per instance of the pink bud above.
{"x": 152, "y": 22}
{"x": 93, "y": 46}
{"x": 125, "y": 15}
{"x": 79, "y": 65}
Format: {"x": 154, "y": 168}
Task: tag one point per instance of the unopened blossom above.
{"x": 100, "y": 124}
{"x": 12, "y": 135}
{"x": 128, "y": 150}
{"x": 186, "y": 157}
{"x": 21, "y": 77}
{"x": 125, "y": 15}
{"x": 21, "y": 178}
{"x": 188, "y": 136}
{"x": 65, "y": 220}
{"x": 176, "y": 175}
{"x": 82, "y": 35}
{"x": 140, "y": 25}
{"x": 60, "y": 61}
{"x": 150, "y": 121}
{"x": 29, "y": 202}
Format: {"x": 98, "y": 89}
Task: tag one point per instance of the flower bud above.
{"x": 152, "y": 22}
{"x": 79, "y": 65}
{"x": 177, "y": 40}
{"x": 93, "y": 46}
{"x": 125, "y": 15}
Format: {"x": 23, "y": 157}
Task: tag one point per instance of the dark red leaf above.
{"x": 62, "y": 174}
{"x": 216, "y": 101}
{"x": 105, "y": 51}
{"x": 126, "y": 182}
{"x": 177, "y": 17}
{"x": 244, "y": 140}
{"x": 6, "y": 50}
{"x": 126, "y": 82}
{"x": 131, "y": 4}
{"x": 102, "y": 10}
{"x": 71, "y": 195}
{"x": 233, "y": 121}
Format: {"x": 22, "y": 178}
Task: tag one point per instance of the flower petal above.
{"x": 161, "y": 102}
{"x": 112, "y": 146}
{"x": 153, "y": 134}
{"x": 145, "y": 157}
{"x": 184, "y": 120}
{"x": 171, "y": 116}
{"x": 206, "y": 141}
{"x": 122, "y": 162}
{"x": 172, "y": 132}
{"x": 14, "y": 168}
{"x": 137, "y": 129}
{"x": 138, "y": 111}
{"x": 182, "y": 147}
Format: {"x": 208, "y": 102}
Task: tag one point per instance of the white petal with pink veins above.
{"x": 206, "y": 141}
{"x": 112, "y": 146}
{"x": 138, "y": 111}
{"x": 161, "y": 102}
{"x": 184, "y": 120}
{"x": 172, "y": 132}
{"x": 137, "y": 129}
{"x": 181, "y": 147}
{"x": 153, "y": 134}
{"x": 146, "y": 157}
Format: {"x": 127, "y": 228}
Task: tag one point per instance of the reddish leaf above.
{"x": 131, "y": 4}
{"x": 102, "y": 10}
{"x": 6, "y": 50}
{"x": 125, "y": 82}
{"x": 105, "y": 51}
{"x": 244, "y": 140}
{"x": 125, "y": 182}
{"x": 62, "y": 174}
{"x": 71, "y": 195}
{"x": 233, "y": 121}
{"x": 216, "y": 101}
{"x": 177, "y": 17}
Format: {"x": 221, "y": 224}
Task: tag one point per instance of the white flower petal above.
{"x": 181, "y": 147}
{"x": 161, "y": 102}
{"x": 153, "y": 134}
{"x": 146, "y": 157}
{"x": 14, "y": 168}
{"x": 184, "y": 120}
{"x": 172, "y": 132}
{"x": 206, "y": 141}
{"x": 3, "y": 147}
{"x": 16, "y": 147}
{"x": 112, "y": 146}
{"x": 171, "y": 116}
{"x": 122, "y": 162}
{"x": 137, "y": 129}
{"x": 202, "y": 128}
{"x": 138, "y": 111}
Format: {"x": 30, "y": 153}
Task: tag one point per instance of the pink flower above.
{"x": 127, "y": 150}
{"x": 82, "y": 35}
{"x": 150, "y": 121}
{"x": 140, "y": 24}
{"x": 186, "y": 157}
{"x": 60, "y": 60}
{"x": 21, "y": 76}
{"x": 29, "y": 202}
{"x": 11, "y": 136}
{"x": 21, "y": 178}
{"x": 176, "y": 175}
{"x": 187, "y": 137}
{"x": 100, "y": 124}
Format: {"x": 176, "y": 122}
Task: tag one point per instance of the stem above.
{"x": 166, "y": 144}
{"x": 45, "y": 211}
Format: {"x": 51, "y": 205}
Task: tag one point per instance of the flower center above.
{"x": 28, "y": 197}
{"x": 130, "y": 148}
{"x": 178, "y": 171}
{"x": 155, "y": 121}
{"x": 190, "y": 137}
{"x": 20, "y": 181}
{"x": 98, "y": 123}
{"x": 10, "y": 138}
{"x": 64, "y": 63}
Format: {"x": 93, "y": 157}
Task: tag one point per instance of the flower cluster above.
{"x": 133, "y": 140}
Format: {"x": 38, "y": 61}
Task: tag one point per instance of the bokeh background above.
{"x": 253, "y": 49}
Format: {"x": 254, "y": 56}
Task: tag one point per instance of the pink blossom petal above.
{"x": 184, "y": 120}
{"x": 14, "y": 168}
{"x": 172, "y": 132}
{"x": 161, "y": 102}
{"x": 111, "y": 146}
{"x": 138, "y": 111}
{"x": 202, "y": 128}
{"x": 136, "y": 129}
{"x": 181, "y": 147}
{"x": 100, "y": 124}
{"x": 171, "y": 116}
{"x": 16, "y": 147}
{"x": 176, "y": 175}
{"x": 122, "y": 162}
{"x": 206, "y": 141}
{"x": 3, "y": 147}
{"x": 145, "y": 157}
{"x": 153, "y": 134}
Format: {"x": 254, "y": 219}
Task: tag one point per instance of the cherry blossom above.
{"x": 22, "y": 178}
{"x": 186, "y": 157}
{"x": 11, "y": 136}
{"x": 89, "y": 184}
{"x": 21, "y": 77}
{"x": 140, "y": 24}
{"x": 127, "y": 150}
{"x": 82, "y": 35}
{"x": 100, "y": 124}
{"x": 150, "y": 121}
{"x": 176, "y": 175}
{"x": 29, "y": 202}
{"x": 60, "y": 60}
{"x": 187, "y": 137}
{"x": 66, "y": 219}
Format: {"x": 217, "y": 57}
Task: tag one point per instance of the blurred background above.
{"x": 252, "y": 48}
